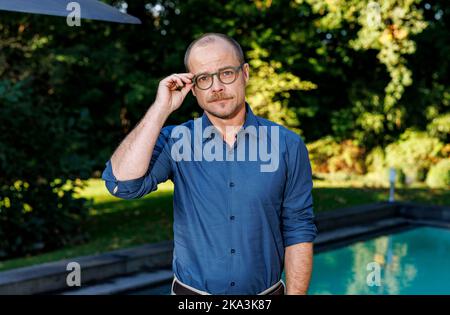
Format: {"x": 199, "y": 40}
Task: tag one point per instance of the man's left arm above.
{"x": 299, "y": 230}
{"x": 298, "y": 267}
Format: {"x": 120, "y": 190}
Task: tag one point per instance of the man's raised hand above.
{"x": 172, "y": 90}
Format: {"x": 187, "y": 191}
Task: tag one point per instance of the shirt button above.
{"x": 233, "y": 251}
{"x": 231, "y": 184}
{"x": 232, "y": 217}
{"x": 232, "y": 284}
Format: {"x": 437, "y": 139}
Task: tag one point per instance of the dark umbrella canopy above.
{"x": 89, "y": 9}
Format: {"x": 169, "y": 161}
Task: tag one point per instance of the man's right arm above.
{"x": 131, "y": 160}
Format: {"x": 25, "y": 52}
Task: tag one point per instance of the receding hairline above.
{"x": 210, "y": 38}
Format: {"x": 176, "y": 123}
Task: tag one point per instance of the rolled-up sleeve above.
{"x": 159, "y": 170}
{"x": 297, "y": 211}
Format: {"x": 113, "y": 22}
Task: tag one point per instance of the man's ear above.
{"x": 193, "y": 91}
{"x": 246, "y": 72}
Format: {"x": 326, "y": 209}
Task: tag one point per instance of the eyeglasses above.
{"x": 225, "y": 75}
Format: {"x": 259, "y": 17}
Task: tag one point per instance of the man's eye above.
{"x": 227, "y": 73}
{"x": 202, "y": 78}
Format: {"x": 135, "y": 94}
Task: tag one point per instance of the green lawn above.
{"x": 116, "y": 223}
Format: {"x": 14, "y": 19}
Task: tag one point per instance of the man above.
{"x": 236, "y": 219}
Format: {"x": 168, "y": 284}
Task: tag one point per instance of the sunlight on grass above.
{"x": 104, "y": 202}
{"x": 96, "y": 190}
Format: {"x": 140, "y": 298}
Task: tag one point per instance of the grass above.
{"x": 328, "y": 198}
{"x": 116, "y": 223}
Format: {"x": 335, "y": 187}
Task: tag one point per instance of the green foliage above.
{"x": 268, "y": 90}
{"x": 329, "y": 156}
{"x": 414, "y": 153}
{"x": 38, "y": 218}
{"x": 40, "y": 158}
{"x": 439, "y": 175}
{"x": 375, "y": 160}
{"x": 440, "y": 126}
{"x": 378, "y": 170}
{"x": 386, "y": 26}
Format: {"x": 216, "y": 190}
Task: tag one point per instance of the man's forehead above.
{"x": 212, "y": 56}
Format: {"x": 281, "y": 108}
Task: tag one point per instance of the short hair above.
{"x": 208, "y": 38}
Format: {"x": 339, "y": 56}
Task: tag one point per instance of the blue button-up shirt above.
{"x": 233, "y": 216}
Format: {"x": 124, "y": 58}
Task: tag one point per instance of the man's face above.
{"x": 220, "y": 100}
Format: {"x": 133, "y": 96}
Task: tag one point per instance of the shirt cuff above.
{"x": 300, "y": 236}
{"x": 122, "y": 189}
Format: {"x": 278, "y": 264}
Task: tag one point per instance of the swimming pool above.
{"x": 415, "y": 261}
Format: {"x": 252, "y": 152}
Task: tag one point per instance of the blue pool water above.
{"x": 416, "y": 261}
{"x": 412, "y": 262}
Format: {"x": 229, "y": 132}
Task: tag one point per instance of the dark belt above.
{"x": 180, "y": 289}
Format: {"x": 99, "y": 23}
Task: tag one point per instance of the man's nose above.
{"x": 217, "y": 86}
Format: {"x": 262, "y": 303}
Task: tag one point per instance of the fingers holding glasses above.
{"x": 178, "y": 81}
{"x": 174, "y": 82}
{"x": 172, "y": 90}
{"x": 185, "y": 76}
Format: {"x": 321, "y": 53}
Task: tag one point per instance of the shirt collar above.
{"x": 250, "y": 120}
